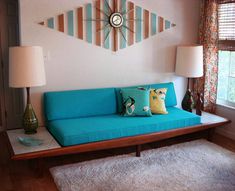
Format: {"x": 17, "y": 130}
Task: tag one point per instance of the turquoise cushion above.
{"x": 136, "y": 102}
{"x": 79, "y": 103}
{"x": 99, "y": 128}
{"x": 170, "y": 100}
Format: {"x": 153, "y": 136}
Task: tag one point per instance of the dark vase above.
{"x": 187, "y": 102}
{"x": 199, "y": 104}
{"x": 30, "y": 121}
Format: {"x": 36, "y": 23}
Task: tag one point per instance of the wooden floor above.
{"x": 19, "y": 175}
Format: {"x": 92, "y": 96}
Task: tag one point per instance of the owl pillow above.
{"x": 136, "y": 102}
{"x": 157, "y": 101}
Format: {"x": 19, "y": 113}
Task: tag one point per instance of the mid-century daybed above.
{"x": 90, "y": 120}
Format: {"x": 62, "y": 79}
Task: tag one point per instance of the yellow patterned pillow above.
{"x": 157, "y": 101}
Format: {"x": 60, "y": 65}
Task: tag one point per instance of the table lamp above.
{"x": 26, "y": 69}
{"x": 189, "y": 64}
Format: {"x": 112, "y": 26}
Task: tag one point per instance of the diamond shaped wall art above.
{"x": 111, "y": 24}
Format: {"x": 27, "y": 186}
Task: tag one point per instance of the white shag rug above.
{"x": 195, "y": 166}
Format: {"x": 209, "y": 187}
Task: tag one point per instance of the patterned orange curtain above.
{"x": 208, "y": 37}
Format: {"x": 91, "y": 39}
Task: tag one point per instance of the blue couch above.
{"x": 85, "y": 116}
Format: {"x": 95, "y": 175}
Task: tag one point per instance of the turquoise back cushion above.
{"x": 79, "y": 103}
{"x": 170, "y": 100}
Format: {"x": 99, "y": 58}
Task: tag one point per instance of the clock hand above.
{"x": 116, "y": 20}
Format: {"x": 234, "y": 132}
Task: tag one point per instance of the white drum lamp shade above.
{"x": 189, "y": 61}
{"x": 26, "y": 66}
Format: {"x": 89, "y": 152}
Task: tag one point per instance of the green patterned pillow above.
{"x": 136, "y": 102}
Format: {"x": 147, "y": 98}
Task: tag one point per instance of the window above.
{"x": 226, "y": 71}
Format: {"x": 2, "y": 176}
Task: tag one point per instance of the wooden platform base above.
{"x": 118, "y": 143}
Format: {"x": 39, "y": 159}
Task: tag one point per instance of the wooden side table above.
{"x": 208, "y": 118}
{"x": 21, "y": 152}
{"x": 18, "y": 149}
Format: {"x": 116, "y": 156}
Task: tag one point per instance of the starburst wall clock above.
{"x": 112, "y": 24}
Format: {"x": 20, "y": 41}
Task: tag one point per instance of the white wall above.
{"x": 229, "y": 113}
{"x": 75, "y": 64}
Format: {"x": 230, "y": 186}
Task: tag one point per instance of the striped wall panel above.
{"x": 146, "y": 24}
{"x": 107, "y": 30}
{"x": 80, "y": 22}
{"x": 160, "y": 24}
{"x": 138, "y": 31}
{"x": 153, "y": 24}
{"x": 91, "y": 23}
{"x": 51, "y": 23}
{"x": 167, "y": 24}
{"x": 70, "y": 22}
{"x": 61, "y": 22}
{"x": 123, "y": 36}
{"x": 131, "y": 23}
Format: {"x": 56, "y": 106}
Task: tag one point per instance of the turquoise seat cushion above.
{"x": 79, "y": 103}
{"x": 170, "y": 100}
{"x": 99, "y": 128}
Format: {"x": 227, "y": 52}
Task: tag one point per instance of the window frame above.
{"x": 225, "y": 103}
{"x": 225, "y": 45}
{"x": 225, "y": 1}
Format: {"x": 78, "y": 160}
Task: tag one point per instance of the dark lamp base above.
{"x": 187, "y": 102}
{"x": 30, "y": 121}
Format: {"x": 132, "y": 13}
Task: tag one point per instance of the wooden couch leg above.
{"x": 38, "y": 167}
{"x": 138, "y": 150}
{"x": 211, "y": 133}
